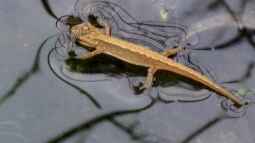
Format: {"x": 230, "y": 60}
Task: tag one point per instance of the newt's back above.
{"x": 139, "y": 55}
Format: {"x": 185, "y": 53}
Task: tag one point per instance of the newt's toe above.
{"x": 138, "y": 89}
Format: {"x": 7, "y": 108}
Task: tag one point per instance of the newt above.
{"x": 102, "y": 42}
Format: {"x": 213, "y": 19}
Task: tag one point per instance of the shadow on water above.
{"x": 116, "y": 68}
{"x": 82, "y": 91}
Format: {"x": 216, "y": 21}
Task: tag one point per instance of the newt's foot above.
{"x": 138, "y": 89}
{"x": 72, "y": 54}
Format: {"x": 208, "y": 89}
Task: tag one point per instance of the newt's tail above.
{"x": 198, "y": 77}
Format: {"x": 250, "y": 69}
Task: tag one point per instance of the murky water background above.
{"x": 44, "y": 106}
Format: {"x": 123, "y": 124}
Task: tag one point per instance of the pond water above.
{"x": 41, "y": 99}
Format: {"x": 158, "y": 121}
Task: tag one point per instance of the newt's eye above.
{"x": 73, "y": 21}
{"x": 93, "y": 20}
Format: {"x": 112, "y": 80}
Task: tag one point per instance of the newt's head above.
{"x": 86, "y": 33}
{"x": 80, "y": 30}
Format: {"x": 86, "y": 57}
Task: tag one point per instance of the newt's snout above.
{"x": 79, "y": 30}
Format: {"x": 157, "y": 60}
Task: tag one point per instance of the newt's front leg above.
{"x": 99, "y": 49}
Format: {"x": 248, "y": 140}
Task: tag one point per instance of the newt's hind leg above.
{"x": 148, "y": 81}
{"x": 108, "y": 30}
{"x": 171, "y": 51}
